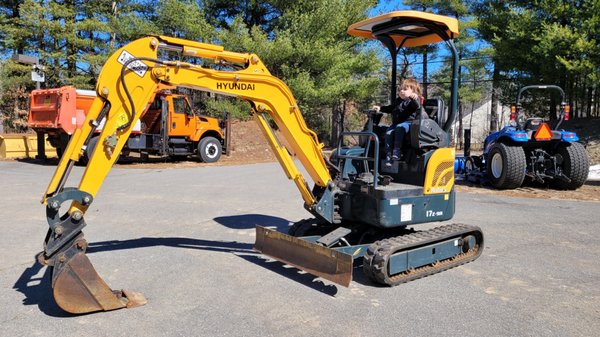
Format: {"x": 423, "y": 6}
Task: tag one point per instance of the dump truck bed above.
{"x": 61, "y": 109}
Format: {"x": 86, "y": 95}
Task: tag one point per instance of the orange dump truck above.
{"x": 168, "y": 126}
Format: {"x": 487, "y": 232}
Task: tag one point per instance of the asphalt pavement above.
{"x": 184, "y": 238}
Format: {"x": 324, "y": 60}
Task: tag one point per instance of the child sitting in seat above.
{"x": 404, "y": 110}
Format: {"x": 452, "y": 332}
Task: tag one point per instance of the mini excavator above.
{"x": 359, "y": 211}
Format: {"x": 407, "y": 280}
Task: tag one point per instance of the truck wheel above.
{"x": 61, "y": 144}
{"x": 60, "y": 150}
{"x": 209, "y": 149}
{"x": 506, "y": 166}
{"x": 85, "y": 159}
{"x": 575, "y": 165}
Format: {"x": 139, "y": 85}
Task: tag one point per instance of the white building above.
{"x": 477, "y": 118}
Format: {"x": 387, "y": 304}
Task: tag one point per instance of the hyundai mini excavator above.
{"x": 359, "y": 211}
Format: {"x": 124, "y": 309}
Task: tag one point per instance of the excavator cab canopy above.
{"x": 401, "y": 29}
{"x": 407, "y": 28}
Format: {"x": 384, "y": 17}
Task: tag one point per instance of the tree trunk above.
{"x": 588, "y": 110}
{"x": 494, "y": 109}
{"x": 459, "y": 134}
{"x": 336, "y": 123}
{"x": 70, "y": 47}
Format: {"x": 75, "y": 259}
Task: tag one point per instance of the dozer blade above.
{"x": 313, "y": 258}
{"x": 78, "y": 289}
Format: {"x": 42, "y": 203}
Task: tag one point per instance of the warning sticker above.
{"x": 405, "y": 212}
{"x": 137, "y": 67}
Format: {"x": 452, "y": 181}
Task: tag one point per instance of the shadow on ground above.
{"x": 248, "y": 221}
{"x": 38, "y": 289}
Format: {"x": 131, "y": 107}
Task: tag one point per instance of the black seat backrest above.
{"x": 426, "y": 134}
{"x": 533, "y": 123}
{"x": 435, "y": 110}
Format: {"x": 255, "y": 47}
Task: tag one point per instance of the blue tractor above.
{"x": 529, "y": 149}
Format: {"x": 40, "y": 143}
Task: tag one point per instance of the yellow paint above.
{"x": 439, "y": 175}
{"x": 22, "y": 146}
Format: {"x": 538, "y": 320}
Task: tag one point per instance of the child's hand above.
{"x": 414, "y": 96}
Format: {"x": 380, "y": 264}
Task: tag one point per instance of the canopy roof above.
{"x": 407, "y": 28}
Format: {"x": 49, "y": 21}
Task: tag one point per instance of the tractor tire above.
{"x": 469, "y": 166}
{"x": 209, "y": 149}
{"x": 506, "y": 165}
{"x": 575, "y": 165}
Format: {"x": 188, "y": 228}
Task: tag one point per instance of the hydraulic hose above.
{"x": 122, "y": 79}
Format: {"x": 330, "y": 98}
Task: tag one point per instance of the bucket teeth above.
{"x": 78, "y": 289}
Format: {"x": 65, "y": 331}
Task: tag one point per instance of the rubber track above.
{"x": 375, "y": 263}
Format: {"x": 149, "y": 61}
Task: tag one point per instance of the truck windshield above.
{"x": 180, "y": 105}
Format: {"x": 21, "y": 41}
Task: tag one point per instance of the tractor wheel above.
{"x": 209, "y": 149}
{"x": 506, "y": 165}
{"x": 469, "y": 166}
{"x": 575, "y": 165}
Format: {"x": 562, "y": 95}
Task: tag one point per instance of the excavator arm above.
{"x": 126, "y": 85}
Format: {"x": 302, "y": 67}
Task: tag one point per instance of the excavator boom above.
{"x": 126, "y": 85}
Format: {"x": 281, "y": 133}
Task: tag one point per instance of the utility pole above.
{"x": 37, "y": 72}
{"x": 38, "y": 76}
{"x": 113, "y": 36}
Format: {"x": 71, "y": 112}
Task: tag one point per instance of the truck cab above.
{"x": 171, "y": 127}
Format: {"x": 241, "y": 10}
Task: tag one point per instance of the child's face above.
{"x": 405, "y": 92}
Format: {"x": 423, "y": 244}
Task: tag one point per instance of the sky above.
{"x": 387, "y": 6}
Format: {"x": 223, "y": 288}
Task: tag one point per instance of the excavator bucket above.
{"x": 78, "y": 289}
{"x": 318, "y": 260}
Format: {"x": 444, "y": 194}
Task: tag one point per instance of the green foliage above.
{"x": 218, "y": 106}
{"x": 14, "y": 92}
{"x": 544, "y": 42}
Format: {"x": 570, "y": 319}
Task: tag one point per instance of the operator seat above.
{"x": 435, "y": 110}
{"x": 426, "y": 132}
